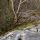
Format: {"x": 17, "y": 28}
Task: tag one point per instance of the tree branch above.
{"x": 15, "y": 18}
{"x": 20, "y": 5}
{"x": 23, "y": 1}
{"x": 12, "y": 5}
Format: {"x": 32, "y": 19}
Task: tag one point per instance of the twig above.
{"x": 20, "y": 5}
{"x": 23, "y": 1}
{"x": 12, "y": 5}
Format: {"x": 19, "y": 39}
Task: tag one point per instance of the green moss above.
{"x": 20, "y": 27}
{"x": 26, "y": 25}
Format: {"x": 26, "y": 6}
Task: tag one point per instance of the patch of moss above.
{"x": 26, "y": 25}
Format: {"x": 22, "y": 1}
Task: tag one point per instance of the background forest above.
{"x": 17, "y": 13}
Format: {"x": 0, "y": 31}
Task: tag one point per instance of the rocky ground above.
{"x": 31, "y": 34}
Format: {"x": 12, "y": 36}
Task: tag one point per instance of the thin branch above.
{"x": 23, "y": 1}
{"x": 15, "y": 19}
{"x": 20, "y": 5}
{"x": 12, "y": 5}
